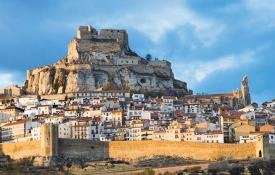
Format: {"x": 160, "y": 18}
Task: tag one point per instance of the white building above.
{"x": 138, "y": 97}
{"x": 211, "y": 137}
{"x": 64, "y": 130}
{"x": 28, "y": 100}
{"x": 133, "y": 133}
{"x": 214, "y": 137}
{"x": 188, "y": 136}
{"x": 92, "y": 111}
{"x": 35, "y": 133}
{"x": 192, "y": 108}
{"x": 71, "y": 113}
{"x": 17, "y": 131}
{"x": 250, "y": 115}
{"x": 54, "y": 119}
{"x": 271, "y": 138}
{"x": 167, "y": 104}
{"x": 44, "y": 109}
{"x": 250, "y": 138}
{"x": 31, "y": 112}
{"x": 81, "y": 129}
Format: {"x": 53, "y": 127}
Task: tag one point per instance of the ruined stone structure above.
{"x": 101, "y": 60}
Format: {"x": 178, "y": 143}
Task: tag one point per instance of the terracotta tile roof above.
{"x": 16, "y": 122}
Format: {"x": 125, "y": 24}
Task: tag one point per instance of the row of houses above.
{"x": 114, "y": 115}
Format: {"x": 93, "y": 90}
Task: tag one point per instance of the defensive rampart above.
{"x": 22, "y": 149}
{"x": 200, "y": 151}
{"x": 45, "y": 147}
{"x": 50, "y": 146}
{"x": 135, "y": 150}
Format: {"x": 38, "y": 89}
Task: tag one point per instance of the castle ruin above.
{"x": 99, "y": 60}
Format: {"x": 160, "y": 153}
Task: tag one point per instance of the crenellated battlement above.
{"x": 86, "y": 32}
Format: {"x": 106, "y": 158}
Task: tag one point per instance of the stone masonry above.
{"x": 101, "y": 60}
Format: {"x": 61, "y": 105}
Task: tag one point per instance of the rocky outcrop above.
{"x": 101, "y": 60}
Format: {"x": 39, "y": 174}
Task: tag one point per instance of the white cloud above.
{"x": 152, "y": 18}
{"x": 8, "y": 78}
{"x": 267, "y": 5}
{"x": 197, "y": 71}
{"x": 156, "y": 19}
{"x": 262, "y": 11}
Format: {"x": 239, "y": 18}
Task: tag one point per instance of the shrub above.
{"x": 148, "y": 171}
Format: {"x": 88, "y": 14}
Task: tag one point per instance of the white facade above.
{"x": 31, "y": 112}
{"x": 54, "y": 119}
{"x": 248, "y": 115}
{"x": 18, "y": 130}
{"x": 271, "y": 104}
{"x": 206, "y": 138}
{"x": 134, "y": 114}
{"x": 80, "y": 129}
{"x": 44, "y": 110}
{"x": 214, "y": 138}
{"x": 271, "y": 138}
{"x": 64, "y": 130}
{"x": 192, "y": 109}
{"x": 133, "y": 134}
{"x": 250, "y": 138}
{"x": 28, "y": 100}
{"x": 167, "y": 105}
{"x": 188, "y": 136}
{"x": 138, "y": 97}
{"x": 35, "y": 133}
{"x": 71, "y": 113}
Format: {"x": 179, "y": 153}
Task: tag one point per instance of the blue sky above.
{"x": 211, "y": 44}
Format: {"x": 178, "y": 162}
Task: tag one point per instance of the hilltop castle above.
{"x": 102, "y": 60}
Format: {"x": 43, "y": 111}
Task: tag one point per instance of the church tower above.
{"x": 245, "y": 91}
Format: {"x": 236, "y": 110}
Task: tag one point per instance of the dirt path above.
{"x": 160, "y": 170}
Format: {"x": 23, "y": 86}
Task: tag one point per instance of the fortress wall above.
{"x": 160, "y": 63}
{"x": 129, "y": 150}
{"x": 83, "y": 149}
{"x": 21, "y": 150}
{"x": 120, "y": 35}
{"x": 133, "y": 150}
{"x": 46, "y": 147}
{"x": 269, "y": 151}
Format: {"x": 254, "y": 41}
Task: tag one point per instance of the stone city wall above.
{"x": 128, "y": 150}
{"x": 46, "y": 147}
{"x": 21, "y": 150}
{"x": 269, "y": 150}
{"x": 87, "y": 149}
{"x": 135, "y": 150}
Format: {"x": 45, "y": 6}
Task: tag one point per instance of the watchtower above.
{"x": 86, "y": 32}
{"x": 49, "y": 140}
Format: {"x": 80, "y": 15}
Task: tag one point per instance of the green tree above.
{"x": 148, "y": 57}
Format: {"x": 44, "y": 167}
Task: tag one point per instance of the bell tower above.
{"x": 245, "y": 91}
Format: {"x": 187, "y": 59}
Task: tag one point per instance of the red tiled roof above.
{"x": 16, "y": 122}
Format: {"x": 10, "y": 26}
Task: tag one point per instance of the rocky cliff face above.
{"x": 101, "y": 60}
